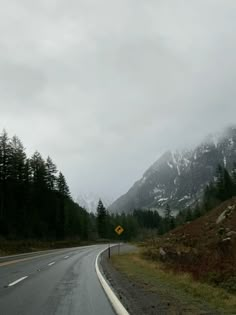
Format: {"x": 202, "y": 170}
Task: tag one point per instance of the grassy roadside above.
{"x": 181, "y": 286}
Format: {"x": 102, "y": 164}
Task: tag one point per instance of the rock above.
{"x": 162, "y": 252}
{"x": 221, "y": 217}
{"x": 225, "y": 248}
{"x": 225, "y": 214}
{"x": 228, "y": 239}
{"x": 231, "y": 233}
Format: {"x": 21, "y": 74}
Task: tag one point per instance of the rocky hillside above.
{"x": 205, "y": 247}
{"x": 179, "y": 178}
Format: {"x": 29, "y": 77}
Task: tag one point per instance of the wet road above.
{"x": 57, "y": 282}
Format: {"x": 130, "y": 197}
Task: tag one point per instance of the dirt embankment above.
{"x": 206, "y": 247}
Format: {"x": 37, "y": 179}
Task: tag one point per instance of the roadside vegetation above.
{"x": 154, "y": 277}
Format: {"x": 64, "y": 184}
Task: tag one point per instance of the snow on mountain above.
{"x": 90, "y": 201}
{"x": 179, "y": 178}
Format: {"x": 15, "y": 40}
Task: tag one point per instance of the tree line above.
{"x": 221, "y": 189}
{"x": 138, "y": 224}
{"x": 35, "y": 200}
{"x": 35, "y": 203}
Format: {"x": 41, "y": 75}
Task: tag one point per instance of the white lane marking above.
{"x": 66, "y": 257}
{"x": 52, "y": 263}
{"x": 115, "y": 302}
{"x": 17, "y": 281}
{"x": 49, "y": 252}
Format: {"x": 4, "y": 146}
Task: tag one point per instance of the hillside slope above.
{"x": 180, "y": 178}
{"x": 205, "y": 247}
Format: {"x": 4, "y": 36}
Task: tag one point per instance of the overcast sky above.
{"x": 104, "y": 87}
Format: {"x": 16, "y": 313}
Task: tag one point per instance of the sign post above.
{"x": 119, "y": 230}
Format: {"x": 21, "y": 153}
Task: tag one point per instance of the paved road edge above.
{"x": 115, "y": 302}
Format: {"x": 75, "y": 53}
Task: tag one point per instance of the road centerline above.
{"x": 52, "y": 263}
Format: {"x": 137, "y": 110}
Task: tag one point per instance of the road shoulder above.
{"x": 139, "y": 297}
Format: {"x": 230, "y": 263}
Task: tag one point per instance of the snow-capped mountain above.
{"x": 90, "y": 201}
{"x": 179, "y": 178}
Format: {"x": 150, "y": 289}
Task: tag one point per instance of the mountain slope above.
{"x": 179, "y": 178}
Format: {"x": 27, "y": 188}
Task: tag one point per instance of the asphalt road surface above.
{"x": 61, "y": 282}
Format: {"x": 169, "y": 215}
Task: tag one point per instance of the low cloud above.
{"x": 105, "y": 87}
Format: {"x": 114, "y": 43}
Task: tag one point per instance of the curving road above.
{"x": 60, "y": 282}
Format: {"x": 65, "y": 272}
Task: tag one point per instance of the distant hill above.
{"x": 179, "y": 178}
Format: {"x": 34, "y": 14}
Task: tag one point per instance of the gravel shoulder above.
{"x": 139, "y": 298}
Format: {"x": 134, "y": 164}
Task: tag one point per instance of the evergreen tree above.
{"x": 234, "y": 178}
{"x": 102, "y": 225}
{"x": 17, "y": 160}
{"x": 51, "y": 171}
{"x": 167, "y": 218}
{"x": 228, "y": 185}
{"x": 5, "y": 158}
{"x": 64, "y": 199}
{"x": 167, "y": 212}
{"x": 189, "y": 215}
{"x": 62, "y": 186}
{"x": 220, "y": 187}
{"x": 224, "y": 184}
{"x": 196, "y": 211}
{"x": 38, "y": 171}
{"x": 147, "y": 218}
{"x": 16, "y": 193}
{"x": 172, "y": 223}
{"x": 210, "y": 199}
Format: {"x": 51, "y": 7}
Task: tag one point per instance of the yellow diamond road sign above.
{"x": 119, "y": 230}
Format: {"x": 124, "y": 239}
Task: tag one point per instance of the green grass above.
{"x": 181, "y": 286}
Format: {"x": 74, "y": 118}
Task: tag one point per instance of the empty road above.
{"x": 61, "y": 282}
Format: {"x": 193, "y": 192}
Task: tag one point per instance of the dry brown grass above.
{"x": 202, "y": 248}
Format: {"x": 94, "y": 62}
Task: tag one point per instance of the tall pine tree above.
{"x": 102, "y": 221}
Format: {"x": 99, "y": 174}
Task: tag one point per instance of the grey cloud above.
{"x": 19, "y": 82}
{"x": 105, "y": 87}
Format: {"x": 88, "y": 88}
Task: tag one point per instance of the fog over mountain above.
{"x": 106, "y": 87}
{"x": 179, "y": 178}
{"x": 90, "y": 201}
